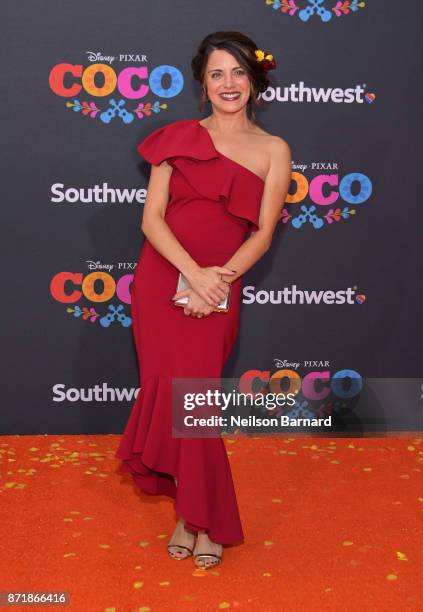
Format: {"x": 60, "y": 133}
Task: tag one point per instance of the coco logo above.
{"x": 307, "y": 385}
{"x": 334, "y": 393}
{"x": 325, "y": 190}
{"x": 100, "y": 80}
{"x": 321, "y": 9}
{"x": 97, "y": 287}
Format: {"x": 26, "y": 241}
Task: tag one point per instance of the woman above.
{"x": 215, "y": 194}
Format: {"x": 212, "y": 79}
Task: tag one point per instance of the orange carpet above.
{"x": 330, "y": 524}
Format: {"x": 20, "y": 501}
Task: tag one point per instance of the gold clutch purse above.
{"x": 182, "y": 301}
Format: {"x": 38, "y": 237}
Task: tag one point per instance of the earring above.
{"x": 205, "y": 94}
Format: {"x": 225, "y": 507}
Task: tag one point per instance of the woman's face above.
{"x": 224, "y": 76}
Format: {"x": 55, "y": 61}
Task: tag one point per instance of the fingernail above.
{"x": 232, "y": 270}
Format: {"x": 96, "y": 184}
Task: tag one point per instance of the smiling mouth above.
{"x": 230, "y": 95}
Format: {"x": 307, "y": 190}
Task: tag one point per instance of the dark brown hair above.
{"x": 243, "y": 49}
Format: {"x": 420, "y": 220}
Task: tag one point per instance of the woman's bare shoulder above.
{"x": 273, "y": 140}
{"x": 275, "y": 146}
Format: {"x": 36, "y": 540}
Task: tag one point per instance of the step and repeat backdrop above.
{"x": 339, "y": 293}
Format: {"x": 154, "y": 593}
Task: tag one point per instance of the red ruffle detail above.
{"x": 187, "y": 147}
{"x": 154, "y": 458}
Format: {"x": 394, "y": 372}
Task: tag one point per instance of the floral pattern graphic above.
{"x": 316, "y": 8}
{"x": 116, "y": 109}
{"x": 308, "y": 216}
{"x": 115, "y": 314}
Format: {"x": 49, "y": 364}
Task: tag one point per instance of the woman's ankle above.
{"x": 203, "y": 536}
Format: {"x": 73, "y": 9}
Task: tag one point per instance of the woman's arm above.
{"x": 159, "y": 234}
{"x": 153, "y": 224}
{"x": 276, "y": 187}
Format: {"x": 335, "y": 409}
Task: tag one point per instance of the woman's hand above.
{"x": 196, "y": 306}
{"x": 207, "y": 283}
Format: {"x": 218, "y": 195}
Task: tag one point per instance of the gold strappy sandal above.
{"x": 215, "y": 560}
{"x": 179, "y": 546}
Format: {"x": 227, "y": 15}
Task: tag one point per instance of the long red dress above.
{"x": 214, "y": 203}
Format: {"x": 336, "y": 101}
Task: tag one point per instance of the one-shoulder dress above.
{"x": 214, "y": 204}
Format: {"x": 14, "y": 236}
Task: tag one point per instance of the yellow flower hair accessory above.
{"x": 267, "y": 59}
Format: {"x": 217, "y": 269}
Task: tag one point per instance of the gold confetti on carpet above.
{"x": 329, "y": 525}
